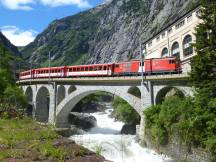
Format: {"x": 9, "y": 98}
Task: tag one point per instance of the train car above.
{"x": 161, "y": 65}
{"x": 127, "y": 68}
{"x": 89, "y": 70}
{"x": 53, "y": 72}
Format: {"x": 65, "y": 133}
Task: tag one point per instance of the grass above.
{"x": 26, "y": 139}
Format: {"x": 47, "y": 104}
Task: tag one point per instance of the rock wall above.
{"x": 178, "y": 151}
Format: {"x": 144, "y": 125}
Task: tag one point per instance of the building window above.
{"x": 163, "y": 35}
{"x": 189, "y": 18}
{"x": 150, "y": 44}
{"x": 187, "y": 45}
{"x": 164, "y": 52}
{"x": 175, "y": 51}
{"x": 180, "y": 24}
{"x": 158, "y": 39}
{"x": 169, "y": 31}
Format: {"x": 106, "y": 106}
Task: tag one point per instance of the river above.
{"x": 106, "y": 140}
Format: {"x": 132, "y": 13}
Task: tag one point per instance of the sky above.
{"x": 22, "y": 20}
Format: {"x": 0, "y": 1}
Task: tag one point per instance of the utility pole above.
{"x": 31, "y": 70}
{"x": 141, "y": 62}
{"x": 168, "y": 46}
{"x": 49, "y": 65}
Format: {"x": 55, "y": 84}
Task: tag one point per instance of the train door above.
{"x": 128, "y": 67}
{"x": 109, "y": 69}
{"x": 33, "y": 74}
{"x": 64, "y": 71}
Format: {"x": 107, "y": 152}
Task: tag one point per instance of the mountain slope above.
{"x": 9, "y": 46}
{"x": 107, "y": 33}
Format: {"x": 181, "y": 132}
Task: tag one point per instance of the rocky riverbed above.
{"x": 24, "y": 140}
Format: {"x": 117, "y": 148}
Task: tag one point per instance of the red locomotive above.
{"x": 150, "y": 66}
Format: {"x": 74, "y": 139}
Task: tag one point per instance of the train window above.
{"x": 104, "y": 67}
{"x": 95, "y": 68}
{"x": 117, "y": 65}
{"x": 86, "y": 68}
{"x": 59, "y": 70}
{"x": 82, "y": 69}
{"x": 78, "y": 69}
{"x": 91, "y": 68}
{"x": 171, "y": 61}
{"x": 100, "y": 68}
{"x": 70, "y": 70}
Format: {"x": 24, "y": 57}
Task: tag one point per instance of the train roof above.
{"x": 171, "y": 57}
{"x": 91, "y": 65}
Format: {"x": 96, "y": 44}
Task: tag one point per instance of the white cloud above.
{"x": 55, "y": 3}
{"x": 17, "y": 36}
{"x": 27, "y": 4}
{"x": 18, "y": 4}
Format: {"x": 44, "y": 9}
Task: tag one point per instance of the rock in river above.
{"x": 82, "y": 120}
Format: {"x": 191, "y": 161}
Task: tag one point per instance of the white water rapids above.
{"x": 106, "y": 140}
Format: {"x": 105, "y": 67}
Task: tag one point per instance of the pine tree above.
{"x": 203, "y": 73}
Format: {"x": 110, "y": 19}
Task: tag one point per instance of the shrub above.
{"x": 124, "y": 112}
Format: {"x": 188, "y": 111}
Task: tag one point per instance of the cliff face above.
{"x": 107, "y": 33}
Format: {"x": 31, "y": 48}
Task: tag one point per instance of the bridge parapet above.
{"x": 136, "y": 79}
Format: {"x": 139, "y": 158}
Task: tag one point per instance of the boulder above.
{"x": 67, "y": 132}
{"x": 128, "y": 129}
{"x": 82, "y": 120}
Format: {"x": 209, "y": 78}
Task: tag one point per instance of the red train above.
{"x": 150, "y": 66}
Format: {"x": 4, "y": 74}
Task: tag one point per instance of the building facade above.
{"x": 176, "y": 40}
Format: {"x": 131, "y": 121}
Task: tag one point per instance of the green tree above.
{"x": 203, "y": 73}
{"x": 11, "y": 96}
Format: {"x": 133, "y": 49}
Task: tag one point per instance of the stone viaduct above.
{"x": 52, "y": 100}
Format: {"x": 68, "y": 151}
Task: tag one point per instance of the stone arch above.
{"x": 175, "y": 50}
{"x": 187, "y": 45}
{"x": 168, "y": 91}
{"x": 164, "y": 52}
{"x": 71, "y": 89}
{"x": 65, "y": 107}
{"x": 42, "y": 105}
{"x": 60, "y": 94}
{"x": 29, "y": 95}
{"x": 134, "y": 91}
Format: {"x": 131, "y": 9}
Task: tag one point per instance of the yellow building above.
{"x": 176, "y": 40}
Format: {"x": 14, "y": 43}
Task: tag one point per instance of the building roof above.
{"x": 171, "y": 24}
